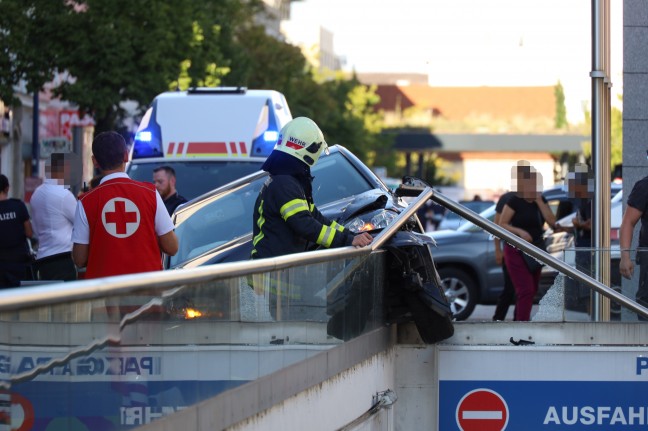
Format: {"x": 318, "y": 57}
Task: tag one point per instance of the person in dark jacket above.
{"x": 285, "y": 217}
{"x": 164, "y": 178}
{"x": 15, "y": 228}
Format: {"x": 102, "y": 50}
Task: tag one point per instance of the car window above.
{"x": 336, "y": 178}
{"x": 196, "y": 178}
{"x": 223, "y": 219}
{"x": 229, "y": 215}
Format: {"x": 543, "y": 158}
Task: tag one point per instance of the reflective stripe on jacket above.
{"x": 285, "y": 221}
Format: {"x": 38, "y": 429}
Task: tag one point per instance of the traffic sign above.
{"x": 22, "y": 413}
{"x": 482, "y": 410}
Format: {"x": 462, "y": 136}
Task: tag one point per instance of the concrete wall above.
{"x": 334, "y": 403}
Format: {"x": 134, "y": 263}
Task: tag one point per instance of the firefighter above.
{"x": 285, "y": 217}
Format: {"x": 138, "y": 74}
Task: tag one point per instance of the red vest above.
{"x": 121, "y": 217}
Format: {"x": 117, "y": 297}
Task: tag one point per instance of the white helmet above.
{"x": 301, "y": 138}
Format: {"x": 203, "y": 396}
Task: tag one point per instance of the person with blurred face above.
{"x": 121, "y": 226}
{"x": 164, "y": 178}
{"x": 580, "y": 188}
{"x": 53, "y": 207}
{"x": 524, "y": 215}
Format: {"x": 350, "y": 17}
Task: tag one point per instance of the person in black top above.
{"x": 507, "y": 297}
{"x": 579, "y": 186}
{"x": 636, "y": 209}
{"x": 164, "y": 178}
{"x": 286, "y": 219}
{"x": 524, "y": 215}
{"x": 15, "y": 228}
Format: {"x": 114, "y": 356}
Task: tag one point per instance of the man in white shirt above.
{"x": 53, "y": 207}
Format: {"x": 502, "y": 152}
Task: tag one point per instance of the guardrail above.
{"x": 59, "y": 293}
{"x": 538, "y": 254}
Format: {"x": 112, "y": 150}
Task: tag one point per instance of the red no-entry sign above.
{"x": 482, "y": 410}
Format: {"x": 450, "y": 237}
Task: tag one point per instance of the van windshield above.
{"x": 194, "y": 178}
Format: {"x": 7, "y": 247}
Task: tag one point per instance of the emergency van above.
{"x": 209, "y": 136}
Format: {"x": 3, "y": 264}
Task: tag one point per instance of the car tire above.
{"x": 461, "y": 291}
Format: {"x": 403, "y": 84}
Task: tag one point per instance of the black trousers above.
{"x": 12, "y": 273}
{"x": 55, "y": 267}
{"x": 642, "y": 289}
{"x": 506, "y": 298}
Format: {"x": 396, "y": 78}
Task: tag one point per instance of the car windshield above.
{"x": 226, "y": 216}
{"x": 194, "y": 178}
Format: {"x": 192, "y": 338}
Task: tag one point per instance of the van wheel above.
{"x": 461, "y": 291}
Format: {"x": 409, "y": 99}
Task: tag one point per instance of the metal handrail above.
{"x": 541, "y": 255}
{"x": 59, "y": 293}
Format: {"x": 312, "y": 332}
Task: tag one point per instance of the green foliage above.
{"x": 343, "y": 108}
{"x": 561, "y": 111}
{"x": 116, "y": 50}
{"x": 616, "y": 136}
{"x": 119, "y": 50}
{"x": 33, "y": 34}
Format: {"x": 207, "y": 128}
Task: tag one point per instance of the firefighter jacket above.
{"x": 286, "y": 221}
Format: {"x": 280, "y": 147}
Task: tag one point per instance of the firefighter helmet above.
{"x": 303, "y": 139}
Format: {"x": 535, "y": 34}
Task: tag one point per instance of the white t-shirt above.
{"x": 53, "y": 208}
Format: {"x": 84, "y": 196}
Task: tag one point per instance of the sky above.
{"x": 471, "y": 42}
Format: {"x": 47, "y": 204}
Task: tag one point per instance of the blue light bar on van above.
{"x": 144, "y": 136}
{"x": 147, "y": 144}
{"x": 271, "y": 136}
{"x": 263, "y": 144}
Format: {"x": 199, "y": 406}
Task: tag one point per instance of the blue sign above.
{"x": 555, "y": 405}
{"x": 109, "y": 406}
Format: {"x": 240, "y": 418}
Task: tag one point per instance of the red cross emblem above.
{"x": 120, "y": 217}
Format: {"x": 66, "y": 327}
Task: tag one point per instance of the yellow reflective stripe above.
{"x": 257, "y": 238}
{"x": 291, "y": 208}
{"x": 311, "y": 206}
{"x": 262, "y": 283}
{"x": 337, "y": 226}
{"x": 260, "y": 223}
{"x": 325, "y": 237}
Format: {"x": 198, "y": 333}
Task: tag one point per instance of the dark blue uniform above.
{"x": 286, "y": 220}
{"x": 14, "y": 251}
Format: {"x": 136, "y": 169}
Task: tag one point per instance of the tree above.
{"x": 118, "y": 50}
{"x": 32, "y": 37}
{"x": 616, "y": 136}
{"x": 342, "y": 107}
{"x": 561, "y": 111}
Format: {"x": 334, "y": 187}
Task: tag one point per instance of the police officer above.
{"x": 285, "y": 217}
{"x": 15, "y": 228}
